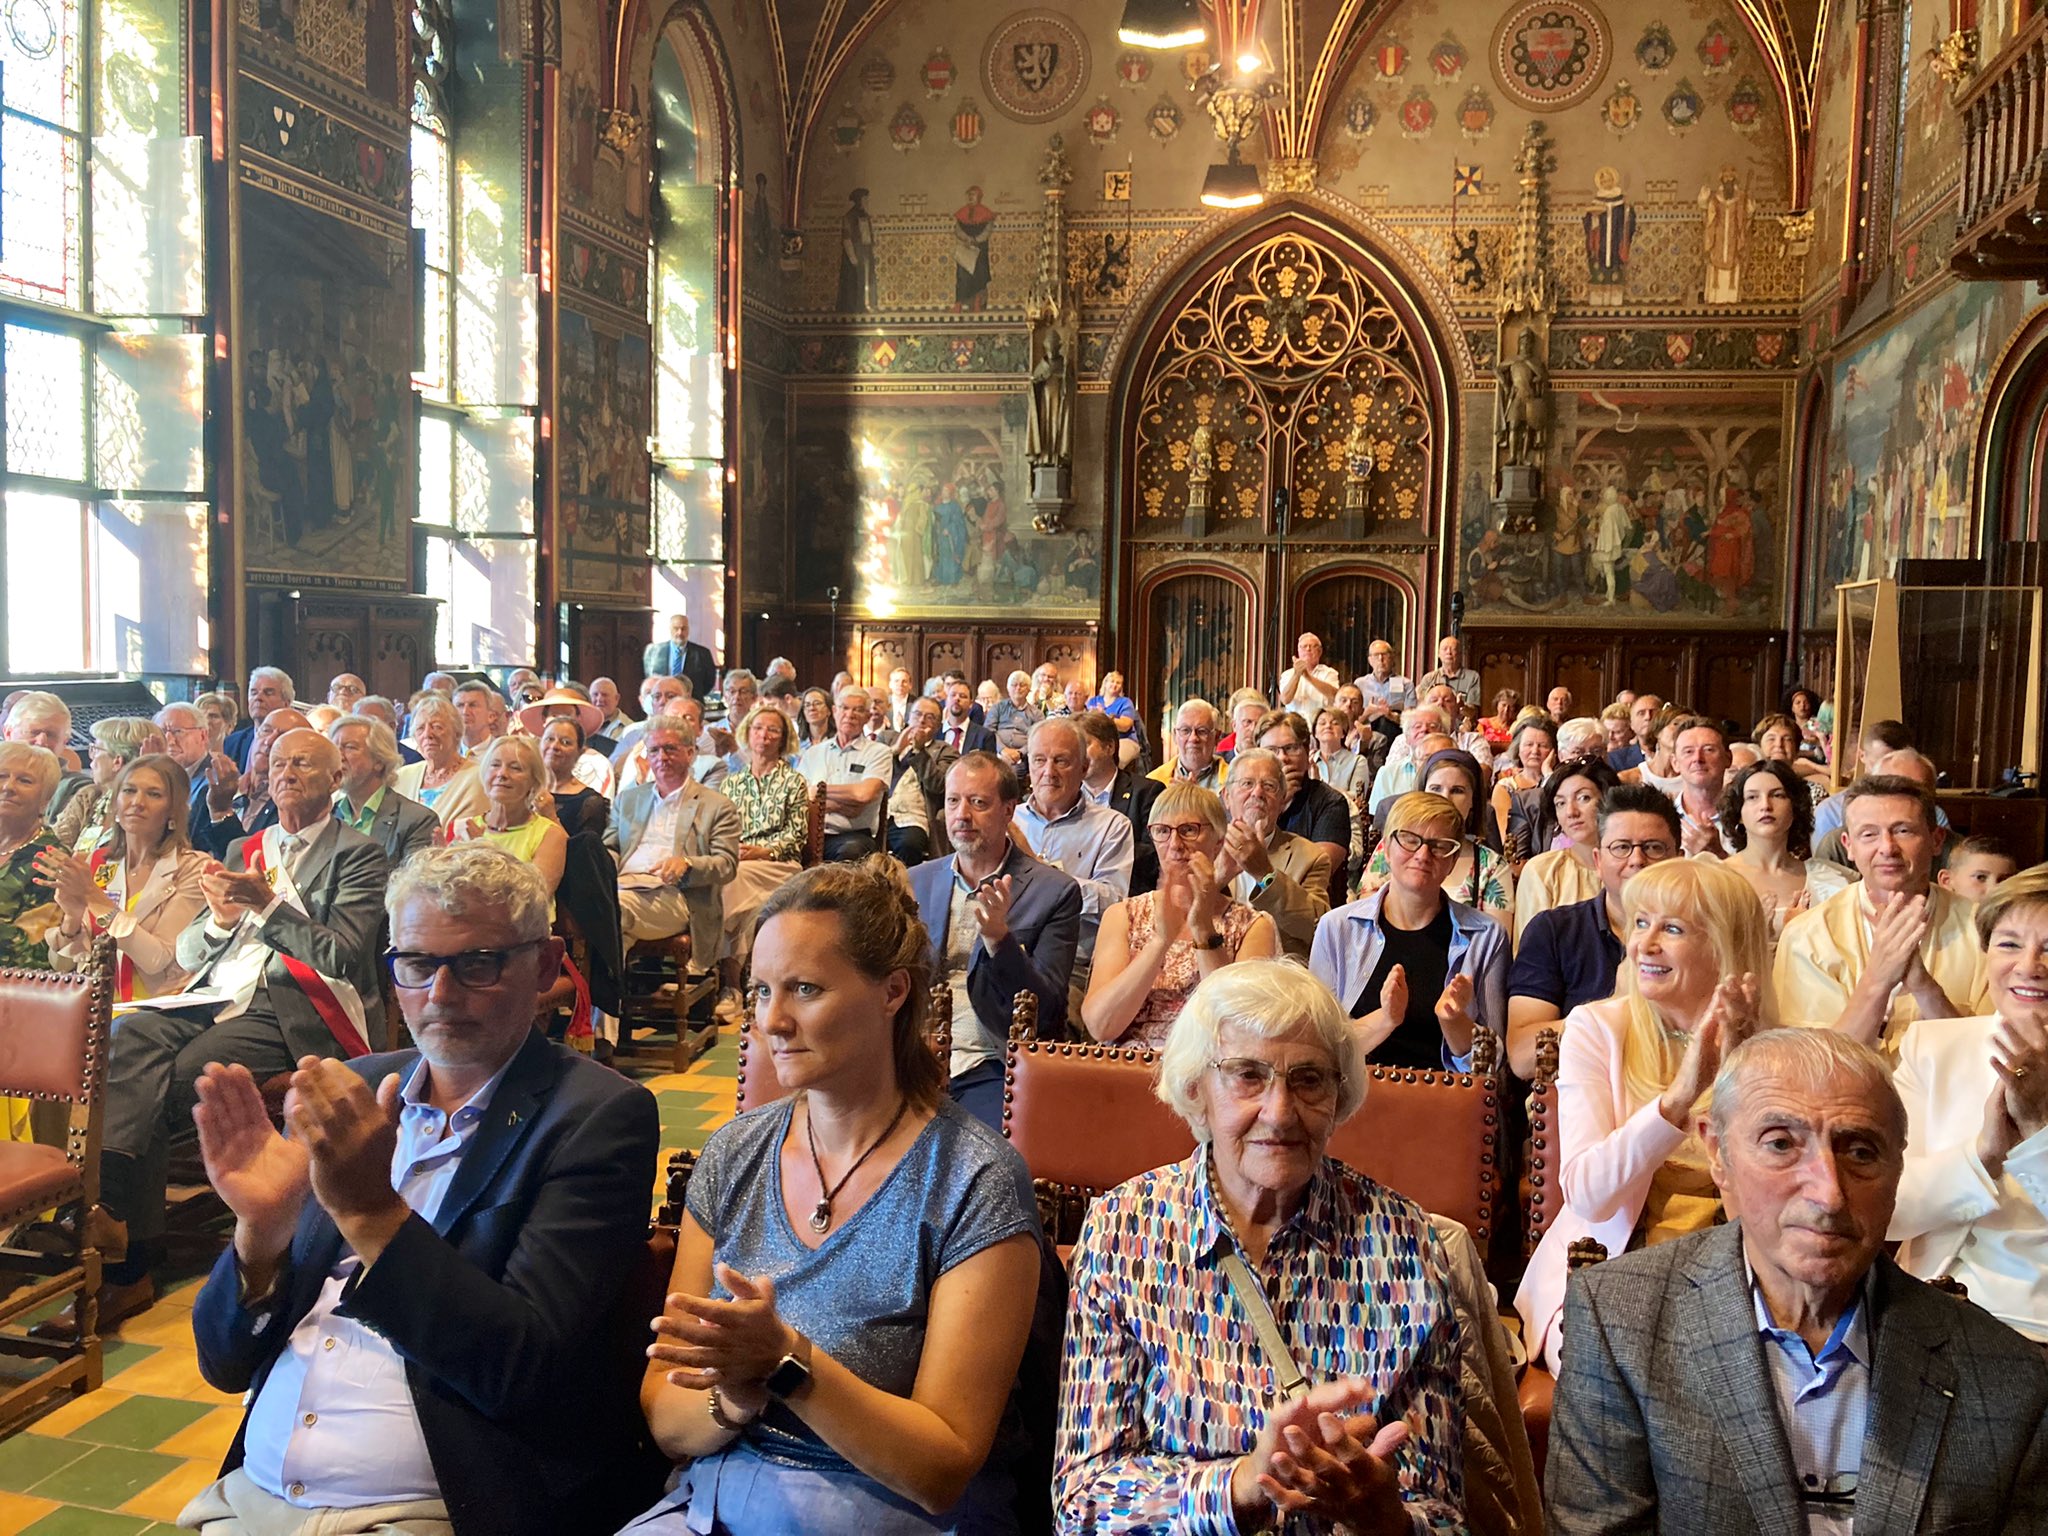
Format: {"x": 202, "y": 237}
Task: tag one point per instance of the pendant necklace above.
{"x": 821, "y": 1213}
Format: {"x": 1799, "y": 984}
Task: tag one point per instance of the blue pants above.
{"x": 979, "y": 1091}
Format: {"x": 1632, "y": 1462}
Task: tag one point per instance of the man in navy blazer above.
{"x": 269, "y": 688}
{"x": 422, "y": 1299}
{"x": 960, "y": 722}
{"x": 1020, "y": 924}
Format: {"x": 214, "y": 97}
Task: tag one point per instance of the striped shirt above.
{"x": 1164, "y": 1384}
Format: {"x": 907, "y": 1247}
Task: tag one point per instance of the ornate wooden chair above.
{"x": 53, "y": 1049}
{"x": 814, "y": 827}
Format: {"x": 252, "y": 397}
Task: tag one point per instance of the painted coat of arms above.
{"x": 1035, "y": 65}
{"x": 1549, "y": 54}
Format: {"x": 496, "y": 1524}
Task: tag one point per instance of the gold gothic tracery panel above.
{"x": 1285, "y": 369}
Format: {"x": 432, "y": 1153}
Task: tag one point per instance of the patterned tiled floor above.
{"x": 128, "y": 1457}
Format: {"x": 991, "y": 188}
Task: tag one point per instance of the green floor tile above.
{"x": 106, "y": 1477}
{"x": 119, "y": 1354}
{"x": 29, "y": 1458}
{"x": 141, "y": 1423}
{"x": 90, "y": 1522}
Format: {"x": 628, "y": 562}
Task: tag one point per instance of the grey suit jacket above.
{"x": 338, "y": 934}
{"x": 1299, "y": 894}
{"x": 1666, "y": 1420}
{"x": 403, "y": 827}
{"x": 707, "y": 834}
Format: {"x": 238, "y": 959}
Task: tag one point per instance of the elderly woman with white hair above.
{"x": 28, "y": 777}
{"x": 443, "y": 780}
{"x": 1168, "y": 1415}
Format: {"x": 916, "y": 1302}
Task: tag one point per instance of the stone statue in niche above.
{"x": 1049, "y": 437}
{"x": 856, "y": 255}
{"x": 1726, "y": 209}
{"x": 1523, "y": 390}
{"x": 1202, "y": 465}
{"x": 1357, "y": 465}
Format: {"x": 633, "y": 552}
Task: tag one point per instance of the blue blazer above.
{"x": 505, "y": 1309}
{"x": 237, "y": 744}
{"x": 1038, "y": 955}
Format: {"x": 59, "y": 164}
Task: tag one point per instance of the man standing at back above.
{"x": 680, "y": 656}
{"x": 420, "y": 1300}
{"x": 269, "y": 688}
{"x": 1450, "y": 668}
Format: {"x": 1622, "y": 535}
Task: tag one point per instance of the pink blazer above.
{"x": 1609, "y": 1152}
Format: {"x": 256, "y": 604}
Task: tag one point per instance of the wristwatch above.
{"x": 792, "y": 1372}
{"x": 1214, "y": 941}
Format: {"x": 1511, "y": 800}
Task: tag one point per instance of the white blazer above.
{"x": 1951, "y": 1217}
{"x": 1608, "y": 1153}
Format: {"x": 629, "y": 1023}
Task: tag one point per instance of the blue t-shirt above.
{"x": 1568, "y": 956}
{"x": 862, "y": 1296}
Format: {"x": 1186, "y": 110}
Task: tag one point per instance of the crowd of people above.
{"x": 1802, "y": 1069}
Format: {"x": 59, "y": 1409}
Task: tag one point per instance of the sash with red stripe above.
{"x": 319, "y": 991}
{"x": 124, "y": 968}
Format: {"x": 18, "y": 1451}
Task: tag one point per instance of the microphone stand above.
{"x": 1282, "y": 501}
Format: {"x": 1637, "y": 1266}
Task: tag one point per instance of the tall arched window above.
{"x": 476, "y": 369}
{"x": 692, "y": 324}
{"x": 102, "y": 270}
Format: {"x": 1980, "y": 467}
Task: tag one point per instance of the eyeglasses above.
{"x": 1655, "y": 850}
{"x": 1415, "y": 842}
{"x": 1194, "y": 732}
{"x": 1248, "y": 1079}
{"x": 479, "y": 968}
{"x": 1185, "y": 832}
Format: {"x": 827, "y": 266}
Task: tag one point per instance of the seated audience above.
{"x": 416, "y": 1301}
{"x": 1124, "y": 790}
{"x": 140, "y": 886}
{"x": 1460, "y": 722}
{"x": 856, "y": 771}
{"x": 858, "y": 1262}
{"x": 1479, "y": 877}
{"x": 1767, "y": 826}
{"x": 960, "y": 726}
{"x": 1001, "y": 922}
{"x": 1620, "y": 735}
{"x": 1309, "y": 684}
{"x": 1530, "y": 755}
{"x": 922, "y": 753}
{"x": 1880, "y": 739}
{"x": 220, "y": 712}
{"x": 1973, "y": 1198}
{"x": 43, "y": 720}
{"x": 1068, "y": 830}
{"x": 578, "y": 807}
{"x": 245, "y": 809}
{"x": 1450, "y": 668}
{"x": 1383, "y": 695}
{"x": 656, "y": 693}
{"x": 775, "y": 820}
{"x": 481, "y": 708}
{"x": 1313, "y": 810}
{"x": 1896, "y": 947}
{"x": 443, "y": 780}
{"x": 345, "y": 690}
{"x": 187, "y": 743}
{"x": 1659, "y": 767}
{"x": 1265, "y": 866}
{"x": 1499, "y": 727}
{"x": 1421, "y": 973}
{"x": 515, "y": 817}
{"x": 1777, "y": 741}
{"x": 367, "y": 802}
{"x": 612, "y": 719}
{"x": 1167, "y": 1422}
{"x": 814, "y": 717}
{"x": 1012, "y": 717}
{"x": 1122, "y": 713}
{"x": 270, "y": 688}
{"x": 1194, "y": 759}
{"x": 375, "y": 707}
{"x": 593, "y": 766}
{"x": 1976, "y": 867}
{"x": 1778, "y": 1373}
{"x": 1246, "y": 707}
{"x": 117, "y": 741}
{"x": 1397, "y": 776}
{"x": 1154, "y": 947}
{"x": 1569, "y": 955}
{"x": 1337, "y": 763}
{"x": 289, "y": 938}
{"x": 1561, "y": 867}
{"x": 28, "y": 777}
{"x": 678, "y": 845}
{"x": 1632, "y": 1068}
{"x": 1643, "y": 710}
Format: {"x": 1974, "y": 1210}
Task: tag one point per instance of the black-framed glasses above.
{"x": 415, "y": 970}
{"x": 1247, "y": 1078}
{"x": 1414, "y": 842}
{"x": 1655, "y": 849}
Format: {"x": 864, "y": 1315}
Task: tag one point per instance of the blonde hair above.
{"x": 1707, "y": 892}
{"x": 48, "y": 770}
{"x": 127, "y": 737}
{"x": 769, "y": 711}
{"x": 1185, "y": 797}
{"x": 1420, "y": 809}
{"x": 523, "y": 748}
{"x": 1267, "y": 998}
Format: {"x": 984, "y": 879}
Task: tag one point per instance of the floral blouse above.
{"x": 22, "y": 889}
{"x": 774, "y": 810}
{"x": 1181, "y": 970}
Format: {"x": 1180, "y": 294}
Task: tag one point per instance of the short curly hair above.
{"x": 1267, "y": 998}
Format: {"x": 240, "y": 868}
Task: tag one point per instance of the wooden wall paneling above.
{"x": 388, "y": 640}
{"x": 1071, "y": 658}
{"x": 1586, "y": 670}
{"x": 882, "y": 651}
{"x": 1654, "y": 667}
{"x": 1731, "y": 673}
{"x": 998, "y": 655}
{"x": 942, "y": 653}
{"x": 1503, "y": 666}
{"x": 609, "y": 642}
{"x": 1739, "y": 681}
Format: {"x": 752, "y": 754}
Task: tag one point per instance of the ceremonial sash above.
{"x": 338, "y": 1004}
{"x": 103, "y": 871}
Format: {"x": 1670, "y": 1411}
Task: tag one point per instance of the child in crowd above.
{"x": 1976, "y": 866}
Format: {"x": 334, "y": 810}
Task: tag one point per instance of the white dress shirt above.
{"x": 658, "y": 842}
{"x": 239, "y": 970}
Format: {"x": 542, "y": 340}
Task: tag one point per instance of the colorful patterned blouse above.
{"x": 1164, "y": 1385}
{"x": 22, "y": 889}
{"x": 774, "y": 811}
{"x": 1488, "y": 884}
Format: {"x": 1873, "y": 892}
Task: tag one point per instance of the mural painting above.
{"x": 1834, "y": 129}
{"x": 764, "y": 489}
{"x": 919, "y": 506}
{"x": 364, "y": 42}
{"x": 1661, "y": 507}
{"x": 1901, "y": 439}
{"x": 602, "y": 441}
{"x": 326, "y": 489}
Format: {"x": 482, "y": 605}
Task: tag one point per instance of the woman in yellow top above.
{"x": 515, "y": 784}
{"x": 1633, "y": 1069}
{"x": 1568, "y": 814}
{"x": 141, "y": 885}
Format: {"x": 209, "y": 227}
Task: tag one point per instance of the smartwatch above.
{"x": 1214, "y": 941}
{"x": 792, "y": 1372}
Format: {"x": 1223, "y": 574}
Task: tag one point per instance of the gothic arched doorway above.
{"x": 1284, "y": 428}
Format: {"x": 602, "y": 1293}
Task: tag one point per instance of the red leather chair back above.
{"x": 1432, "y": 1136}
{"x": 1546, "y": 1199}
{"x": 52, "y": 1044}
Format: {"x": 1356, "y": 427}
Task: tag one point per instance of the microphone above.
{"x": 1281, "y": 501}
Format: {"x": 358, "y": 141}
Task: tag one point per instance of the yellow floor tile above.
{"x": 18, "y": 1512}
{"x": 166, "y": 1498}
{"x": 80, "y": 1410}
{"x": 170, "y": 1373}
{"x": 182, "y": 1296}
{"x": 161, "y": 1324}
{"x": 206, "y": 1439}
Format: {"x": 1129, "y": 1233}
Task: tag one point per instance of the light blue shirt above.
{"x": 1823, "y": 1405}
{"x": 1396, "y": 693}
{"x": 1349, "y": 942}
{"x": 334, "y": 1426}
{"x": 1092, "y": 843}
